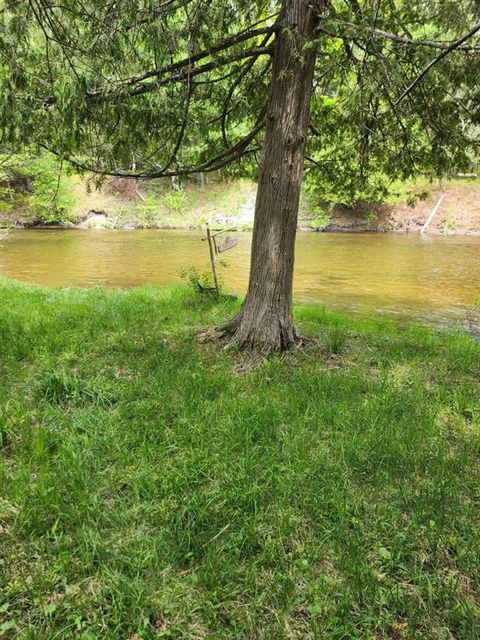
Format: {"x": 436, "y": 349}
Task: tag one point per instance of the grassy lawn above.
{"x": 155, "y": 487}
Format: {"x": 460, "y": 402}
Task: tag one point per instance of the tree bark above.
{"x": 265, "y": 321}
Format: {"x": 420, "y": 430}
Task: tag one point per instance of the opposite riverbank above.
{"x": 129, "y": 204}
{"x": 156, "y": 487}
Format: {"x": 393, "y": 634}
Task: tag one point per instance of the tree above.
{"x": 190, "y": 85}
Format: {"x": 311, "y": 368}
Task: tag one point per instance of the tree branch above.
{"x": 455, "y": 45}
{"x": 187, "y": 62}
{"x": 226, "y": 110}
{"x": 215, "y": 163}
{"x": 190, "y": 73}
{"x": 435, "y": 44}
{"x": 184, "y": 71}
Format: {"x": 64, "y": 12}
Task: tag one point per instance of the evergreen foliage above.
{"x": 181, "y": 86}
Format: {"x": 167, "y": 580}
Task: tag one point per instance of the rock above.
{"x": 94, "y": 220}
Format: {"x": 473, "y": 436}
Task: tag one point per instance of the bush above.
{"x": 51, "y": 202}
{"x": 148, "y": 209}
{"x": 175, "y": 201}
{"x": 192, "y": 276}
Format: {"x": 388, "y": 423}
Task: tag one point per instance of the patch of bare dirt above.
{"x": 458, "y": 213}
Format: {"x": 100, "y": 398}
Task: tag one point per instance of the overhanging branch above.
{"x": 213, "y": 164}
{"x": 434, "y": 44}
{"x": 183, "y": 73}
{"x": 186, "y": 74}
{"x": 187, "y": 62}
{"x": 454, "y": 46}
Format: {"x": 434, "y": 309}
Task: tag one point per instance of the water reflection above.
{"x": 421, "y": 277}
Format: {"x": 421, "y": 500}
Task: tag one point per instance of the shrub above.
{"x": 175, "y": 201}
{"x": 51, "y": 202}
{"x": 50, "y": 199}
{"x": 192, "y": 276}
{"x": 148, "y": 209}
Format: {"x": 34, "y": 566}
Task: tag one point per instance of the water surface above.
{"x": 421, "y": 278}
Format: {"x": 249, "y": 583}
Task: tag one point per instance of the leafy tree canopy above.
{"x": 179, "y": 86}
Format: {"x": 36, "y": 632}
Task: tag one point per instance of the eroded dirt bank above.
{"x": 231, "y": 204}
{"x": 458, "y": 212}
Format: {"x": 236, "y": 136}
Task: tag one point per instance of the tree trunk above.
{"x": 265, "y": 321}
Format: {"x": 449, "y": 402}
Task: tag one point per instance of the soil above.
{"x": 458, "y": 214}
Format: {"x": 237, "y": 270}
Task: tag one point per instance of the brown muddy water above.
{"x": 418, "y": 278}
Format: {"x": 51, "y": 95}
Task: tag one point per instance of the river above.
{"x": 421, "y": 278}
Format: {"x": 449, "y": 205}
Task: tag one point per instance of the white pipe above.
{"x": 434, "y": 211}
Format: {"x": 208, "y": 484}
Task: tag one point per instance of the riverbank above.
{"x": 128, "y": 204}
{"x": 430, "y": 279}
{"x": 448, "y": 208}
{"x": 156, "y": 487}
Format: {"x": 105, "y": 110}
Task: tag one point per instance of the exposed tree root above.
{"x": 268, "y": 336}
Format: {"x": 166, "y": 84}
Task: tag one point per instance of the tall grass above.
{"x": 153, "y": 487}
